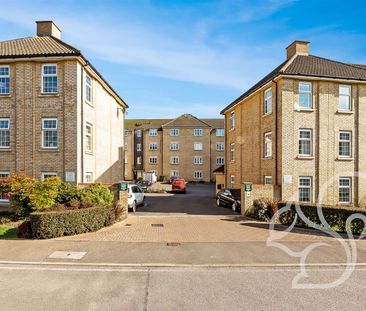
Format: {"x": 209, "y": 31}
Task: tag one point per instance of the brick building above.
{"x": 300, "y": 127}
{"x": 58, "y": 115}
{"x": 187, "y": 147}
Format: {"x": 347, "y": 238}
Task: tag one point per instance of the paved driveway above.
{"x": 198, "y": 200}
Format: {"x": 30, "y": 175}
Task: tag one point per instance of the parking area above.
{"x": 199, "y": 199}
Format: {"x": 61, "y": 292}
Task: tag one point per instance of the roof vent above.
{"x": 48, "y": 28}
{"x": 298, "y": 48}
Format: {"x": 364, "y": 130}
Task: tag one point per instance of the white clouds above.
{"x": 149, "y": 49}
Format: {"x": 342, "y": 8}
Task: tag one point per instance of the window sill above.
{"x": 89, "y": 153}
{"x": 5, "y": 95}
{"x": 344, "y": 159}
{"x": 49, "y": 150}
{"x": 267, "y": 158}
{"x": 49, "y": 95}
{"x": 5, "y": 149}
{"x": 344, "y": 111}
{"x": 299, "y": 157}
{"x": 305, "y": 110}
{"x": 267, "y": 114}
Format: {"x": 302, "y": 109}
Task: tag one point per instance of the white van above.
{"x": 136, "y": 197}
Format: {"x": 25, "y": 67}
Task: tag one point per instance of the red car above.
{"x": 179, "y": 185}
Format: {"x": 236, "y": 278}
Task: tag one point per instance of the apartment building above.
{"x": 302, "y": 129}
{"x": 186, "y": 147}
{"x": 58, "y": 115}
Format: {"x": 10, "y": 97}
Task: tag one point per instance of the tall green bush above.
{"x": 96, "y": 194}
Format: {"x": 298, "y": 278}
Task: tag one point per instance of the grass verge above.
{"x": 8, "y": 232}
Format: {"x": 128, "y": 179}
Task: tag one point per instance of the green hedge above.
{"x": 46, "y": 225}
{"x": 335, "y": 217}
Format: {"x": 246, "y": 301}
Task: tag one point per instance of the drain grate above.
{"x": 172, "y": 244}
{"x": 157, "y": 225}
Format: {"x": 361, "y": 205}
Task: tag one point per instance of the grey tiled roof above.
{"x": 312, "y": 66}
{"x": 36, "y": 46}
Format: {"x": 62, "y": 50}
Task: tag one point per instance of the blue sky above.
{"x": 166, "y": 58}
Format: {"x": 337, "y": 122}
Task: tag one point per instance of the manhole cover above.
{"x": 67, "y": 255}
{"x": 157, "y": 225}
{"x": 172, "y": 244}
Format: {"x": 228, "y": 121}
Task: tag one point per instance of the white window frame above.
{"x": 139, "y": 160}
{"x": 198, "y": 160}
{"x": 138, "y": 147}
{"x": 197, "y": 132}
{"x": 126, "y": 146}
{"x": 267, "y": 108}
{"x": 174, "y": 145}
{"x": 153, "y": 146}
{"x": 220, "y": 132}
{"x": 153, "y": 160}
{"x": 6, "y": 130}
{"x": 139, "y": 133}
{"x": 87, "y": 175}
{"x": 345, "y": 187}
{"x": 308, "y": 93}
{"x": 220, "y": 160}
{"x": 174, "y": 160}
{"x": 7, "y": 173}
{"x": 48, "y": 174}
{"x": 309, "y": 140}
{"x": 6, "y": 77}
{"x": 49, "y": 129}
{"x": 174, "y": 132}
{"x": 153, "y": 132}
{"x": 49, "y": 75}
{"x": 268, "y": 144}
{"x": 309, "y": 178}
{"x": 345, "y": 141}
{"x": 348, "y": 96}
{"x": 220, "y": 146}
{"x": 174, "y": 173}
{"x": 197, "y": 146}
{"x": 232, "y": 181}
{"x": 232, "y": 152}
{"x": 90, "y": 136}
{"x": 268, "y": 180}
{"x": 232, "y": 120}
{"x": 88, "y": 85}
{"x": 126, "y": 132}
{"x": 198, "y": 175}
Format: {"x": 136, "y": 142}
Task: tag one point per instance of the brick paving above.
{"x": 190, "y": 229}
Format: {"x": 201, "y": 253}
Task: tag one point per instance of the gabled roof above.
{"x": 186, "y": 120}
{"x": 145, "y": 123}
{"x": 36, "y": 46}
{"x": 45, "y": 46}
{"x": 308, "y": 65}
{"x": 220, "y": 169}
{"x": 181, "y": 121}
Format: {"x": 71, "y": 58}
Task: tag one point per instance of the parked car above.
{"x": 171, "y": 179}
{"x": 144, "y": 184}
{"x": 136, "y": 197}
{"x": 229, "y": 197}
{"x": 179, "y": 185}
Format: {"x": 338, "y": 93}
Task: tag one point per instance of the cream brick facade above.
{"x": 186, "y": 139}
{"x": 25, "y": 106}
{"x": 324, "y": 119}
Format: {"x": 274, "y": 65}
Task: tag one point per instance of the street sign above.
{"x": 123, "y": 186}
{"x": 247, "y": 187}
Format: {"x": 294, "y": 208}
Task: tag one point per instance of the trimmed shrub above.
{"x": 263, "y": 209}
{"x": 59, "y": 223}
{"x": 335, "y": 217}
{"x": 96, "y": 194}
{"x": 67, "y": 192}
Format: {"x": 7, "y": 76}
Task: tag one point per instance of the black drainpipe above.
{"x": 276, "y": 133}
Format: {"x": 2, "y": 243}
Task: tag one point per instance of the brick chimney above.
{"x": 298, "y": 48}
{"x": 48, "y": 28}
